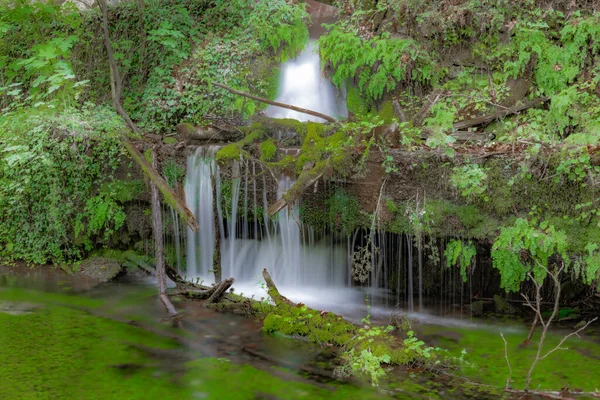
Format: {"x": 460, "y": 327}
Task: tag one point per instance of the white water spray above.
{"x": 303, "y": 84}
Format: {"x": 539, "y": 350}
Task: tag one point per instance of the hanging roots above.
{"x": 362, "y": 260}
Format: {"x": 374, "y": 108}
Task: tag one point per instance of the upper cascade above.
{"x": 303, "y": 84}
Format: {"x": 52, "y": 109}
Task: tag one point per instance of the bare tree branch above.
{"x": 276, "y": 103}
{"x": 564, "y": 339}
{"x": 508, "y": 380}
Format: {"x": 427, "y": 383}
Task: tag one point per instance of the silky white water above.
{"x": 308, "y": 266}
{"x": 294, "y": 255}
{"x": 199, "y": 199}
{"x": 303, "y": 84}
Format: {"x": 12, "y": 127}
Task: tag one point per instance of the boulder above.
{"x": 100, "y": 268}
{"x": 503, "y": 306}
{"x": 476, "y": 308}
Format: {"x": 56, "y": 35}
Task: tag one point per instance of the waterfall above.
{"x": 198, "y": 196}
{"x": 302, "y": 84}
{"x": 312, "y": 266}
{"x": 295, "y": 256}
{"x": 410, "y": 295}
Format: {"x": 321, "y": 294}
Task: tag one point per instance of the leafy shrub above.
{"x": 460, "y": 254}
{"x": 526, "y": 247}
{"x": 470, "y": 180}
{"x": 379, "y": 64}
{"x": 52, "y": 166}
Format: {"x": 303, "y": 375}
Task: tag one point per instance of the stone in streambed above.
{"x": 101, "y": 268}
{"x": 503, "y": 306}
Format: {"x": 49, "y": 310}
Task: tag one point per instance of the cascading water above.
{"x": 313, "y": 267}
{"x": 301, "y": 260}
{"x": 303, "y": 84}
{"x": 199, "y": 198}
{"x": 295, "y": 256}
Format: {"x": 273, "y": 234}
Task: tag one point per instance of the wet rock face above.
{"x": 101, "y": 268}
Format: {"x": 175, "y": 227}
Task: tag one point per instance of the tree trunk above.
{"x": 307, "y": 178}
{"x": 217, "y": 250}
{"x": 486, "y": 119}
{"x": 159, "y": 246}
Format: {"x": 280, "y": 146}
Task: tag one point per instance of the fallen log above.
{"x": 220, "y": 290}
{"x": 191, "y": 290}
{"x": 277, "y": 297}
{"x": 175, "y": 277}
{"x": 208, "y": 134}
{"x": 305, "y": 180}
{"x": 486, "y": 119}
{"x": 276, "y": 103}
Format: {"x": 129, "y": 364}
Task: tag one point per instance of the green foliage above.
{"x": 242, "y": 30}
{"x": 556, "y": 63}
{"x": 575, "y": 165}
{"x": 397, "y": 61}
{"x": 367, "y": 363}
{"x": 460, "y": 254}
{"x": 101, "y": 214}
{"x": 174, "y": 173}
{"x": 344, "y": 211}
{"x": 268, "y": 150}
{"x": 37, "y": 40}
{"x": 168, "y": 56}
{"x": 470, "y": 180}
{"x": 590, "y": 271}
{"x": 51, "y": 169}
{"x": 422, "y": 354}
{"x": 526, "y": 247}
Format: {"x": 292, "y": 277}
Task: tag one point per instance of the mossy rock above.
{"x": 355, "y": 102}
{"x": 386, "y": 112}
{"x": 101, "y": 268}
{"x": 503, "y": 306}
{"x": 316, "y": 326}
{"x": 228, "y": 153}
{"x": 477, "y": 308}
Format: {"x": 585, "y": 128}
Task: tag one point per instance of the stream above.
{"x": 65, "y": 337}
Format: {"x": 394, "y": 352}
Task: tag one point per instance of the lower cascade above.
{"x": 295, "y": 255}
{"x": 317, "y": 267}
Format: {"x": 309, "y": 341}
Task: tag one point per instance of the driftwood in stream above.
{"x": 176, "y": 278}
{"x": 276, "y": 103}
{"x": 116, "y": 89}
{"x": 191, "y": 290}
{"x": 213, "y": 294}
{"x": 220, "y": 290}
